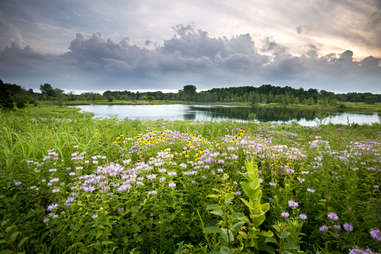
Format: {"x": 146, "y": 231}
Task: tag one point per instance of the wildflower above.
{"x": 124, "y": 187}
{"x": 154, "y": 192}
{"x": 272, "y": 184}
{"x": 33, "y": 187}
{"x": 94, "y": 216}
{"x": 290, "y": 171}
{"x": 376, "y": 234}
{"x": 285, "y": 214}
{"x": 52, "y": 207}
{"x": 333, "y": 216}
{"x": 55, "y": 190}
{"x": 172, "y": 173}
{"x": 293, "y": 204}
{"x": 323, "y": 228}
{"x": 45, "y": 220}
{"x": 68, "y": 201}
{"x": 360, "y": 251}
{"x": 162, "y": 179}
{"x": 303, "y": 216}
{"x": 121, "y": 209}
{"x": 337, "y": 226}
{"x": 310, "y": 190}
{"x": 348, "y": 227}
{"x": 54, "y": 180}
{"x": 238, "y": 193}
{"x": 376, "y": 186}
{"x": 52, "y": 170}
{"x": 172, "y": 185}
{"x": 17, "y": 183}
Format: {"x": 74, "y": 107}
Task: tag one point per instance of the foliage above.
{"x": 71, "y": 183}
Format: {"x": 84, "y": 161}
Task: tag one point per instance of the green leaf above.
{"x": 10, "y": 228}
{"x": 239, "y": 216}
{"x": 14, "y": 236}
{"x": 21, "y": 243}
{"x": 211, "y": 230}
{"x": 284, "y": 235}
{"x": 291, "y": 246}
{"x": 229, "y": 198}
{"x": 218, "y": 212}
{"x": 265, "y": 207}
{"x": 238, "y": 225}
{"x": 271, "y": 240}
{"x": 227, "y": 235}
{"x": 258, "y": 220}
{"x": 213, "y": 196}
{"x": 226, "y": 250}
{"x": 107, "y": 242}
{"x": 212, "y": 207}
{"x": 246, "y": 203}
{"x": 267, "y": 233}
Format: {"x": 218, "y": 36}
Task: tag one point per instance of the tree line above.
{"x": 12, "y": 95}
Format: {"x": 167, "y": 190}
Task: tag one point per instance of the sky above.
{"x": 98, "y": 45}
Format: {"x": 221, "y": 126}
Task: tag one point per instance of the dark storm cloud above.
{"x": 190, "y": 56}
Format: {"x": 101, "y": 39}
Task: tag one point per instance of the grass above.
{"x": 197, "y": 207}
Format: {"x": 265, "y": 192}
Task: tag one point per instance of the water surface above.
{"x": 221, "y": 112}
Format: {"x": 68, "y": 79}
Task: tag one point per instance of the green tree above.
{"x": 47, "y": 90}
{"x": 189, "y": 92}
{"x": 6, "y": 101}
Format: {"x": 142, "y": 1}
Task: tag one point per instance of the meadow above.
{"x": 74, "y": 184}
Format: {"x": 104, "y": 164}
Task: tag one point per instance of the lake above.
{"x": 222, "y": 112}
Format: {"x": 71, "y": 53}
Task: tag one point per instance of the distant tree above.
{"x": 189, "y": 92}
{"x": 6, "y": 101}
{"x": 47, "y": 90}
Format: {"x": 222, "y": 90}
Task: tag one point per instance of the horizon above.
{"x": 93, "y": 46}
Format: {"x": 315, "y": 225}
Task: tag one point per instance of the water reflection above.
{"x": 219, "y": 112}
{"x": 259, "y": 113}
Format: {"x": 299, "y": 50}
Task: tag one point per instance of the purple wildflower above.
{"x": 337, "y": 226}
{"x": 348, "y": 227}
{"x": 293, "y": 204}
{"x": 375, "y": 233}
{"x": 333, "y": 216}
{"x": 323, "y": 228}
{"x": 52, "y": 207}
{"x": 172, "y": 185}
{"x": 17, "y": 183}
{"x": 285, "y": 214}
{"x": 68, "y": 201}
{"x": 303, "y": 216}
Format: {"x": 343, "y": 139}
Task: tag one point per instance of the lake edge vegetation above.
{"x": 264, "y": 96}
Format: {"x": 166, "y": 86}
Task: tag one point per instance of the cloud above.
{"x": 190, "y": 56}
